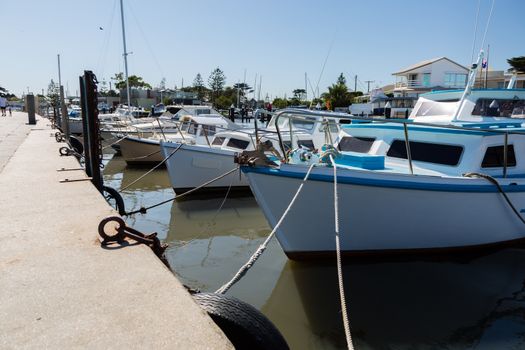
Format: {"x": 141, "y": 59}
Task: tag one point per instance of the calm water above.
{"x": 476, "y": 304}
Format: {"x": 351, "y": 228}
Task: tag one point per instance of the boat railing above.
{"x": 483, "y": 128}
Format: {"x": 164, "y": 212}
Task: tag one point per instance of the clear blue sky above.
{"x": 280, "y": 40}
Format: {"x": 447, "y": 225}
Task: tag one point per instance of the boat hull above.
{"x": 382, "y": 213}
{"x": 191, "y": 166}
{"x": 137, "y": 151}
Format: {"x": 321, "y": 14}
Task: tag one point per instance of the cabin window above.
{"x": 307, "y": 123}
{"x": 184, "y": 126}
{"x": 192, "y": 128}
{"x": 499, "y": 107}
{"x": 306, "y": 143}
{"x": 427, "y": 152}
{"x": 218, "y": 141}
{"x": 332, "y": 126}
{"x": 237, "y": 143}
{"x": 494, "y": 157}
{"x": 208, "y": 130}
{"x": 355, "y": 144}
{"x": 202, "y": 111}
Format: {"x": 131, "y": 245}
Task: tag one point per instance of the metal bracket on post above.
{"x": 121, "y": 232}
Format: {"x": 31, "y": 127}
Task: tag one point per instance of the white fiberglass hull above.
{"x": 381, "y": 212}
{"x": 191, "y": 166}
{"x": 140, "y": 151}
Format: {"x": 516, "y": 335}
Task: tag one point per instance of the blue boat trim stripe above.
{"x": 488, "y": 188}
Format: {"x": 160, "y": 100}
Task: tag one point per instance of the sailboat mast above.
{"x": 125, "y": 54}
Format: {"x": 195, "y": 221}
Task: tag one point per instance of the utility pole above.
{"x": 487, "y": 67}
{"x": 368, "y": 82}
{"x": 355, "y": 83}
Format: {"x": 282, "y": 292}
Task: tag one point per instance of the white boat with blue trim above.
{"x": 191, "y": 165}
{"x": 450, "y": 178}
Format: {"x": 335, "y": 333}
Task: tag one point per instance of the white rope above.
{"x": 263, "y": 246}
{"x": 344, "y": 314}
{"x": 147, "y": 173}
{"x": 114, "y": 143}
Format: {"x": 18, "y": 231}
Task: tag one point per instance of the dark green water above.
{"x": 474, "y": 304}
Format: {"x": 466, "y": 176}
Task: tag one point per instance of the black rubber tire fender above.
{"x": 245, "y": 326}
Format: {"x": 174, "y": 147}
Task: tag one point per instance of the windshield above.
{"x": 428, "y": 109}
{"x": 510, "y": 108}
{"x": 298, "y": 122}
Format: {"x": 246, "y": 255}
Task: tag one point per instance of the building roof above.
{"x": 426, "y": 63}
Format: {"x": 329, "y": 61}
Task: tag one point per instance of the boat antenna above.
{"x": 475, "y": 32}
{"x": 325, "y": 60}
{"x": 487, "y": 25}
{"x": 470, "y": 84}
{"x": 125, "y": 55}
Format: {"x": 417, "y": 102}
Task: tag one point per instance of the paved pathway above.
{"x": 13, "y": 131}
{"x": 59, "y": 289}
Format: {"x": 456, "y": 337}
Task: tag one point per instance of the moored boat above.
{"x": 454, "y": 183}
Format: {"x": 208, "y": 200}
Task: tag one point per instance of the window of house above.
{"x": 426, "y": 79}
{"x": 457, "y": 80}
{"x": 494, "y": 157}
{"x": 356, "y": 144}
{"x": 427, "y": 152}
{"x": 237, "y": 143}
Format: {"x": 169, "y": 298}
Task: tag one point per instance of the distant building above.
{"x": 425, "y": 76}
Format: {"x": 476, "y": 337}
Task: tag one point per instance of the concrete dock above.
{"x": 59, "y": 288}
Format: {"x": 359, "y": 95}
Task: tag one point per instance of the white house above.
{"x": 436, "y": 73}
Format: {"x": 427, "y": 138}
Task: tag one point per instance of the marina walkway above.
{"x": 58, "y": 287}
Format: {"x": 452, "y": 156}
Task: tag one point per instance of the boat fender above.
{"x": 245, "y": 326}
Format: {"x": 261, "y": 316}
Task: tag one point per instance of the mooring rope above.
{"x": 142, "y": 157}
{"x": 242, "y": 271}
{"x": 149, "y": 171}
{"x": 224, "y": 199}
{"x": 496, "y": 183}
{"x": 344, "y": 314}
{"x": 143, "y": 210}
{"x": 114, "y": 143}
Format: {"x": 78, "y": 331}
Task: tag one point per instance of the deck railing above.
{"x": 303, "y": 114}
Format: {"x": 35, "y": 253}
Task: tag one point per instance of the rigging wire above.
{"x": 102, "y": 59}
{"x": 146, "y": 40}
{"x": 325, "y": 60}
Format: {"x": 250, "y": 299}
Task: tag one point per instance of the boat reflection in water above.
{"x": 400, "y": 305}
{"x": 208, "y": 245}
